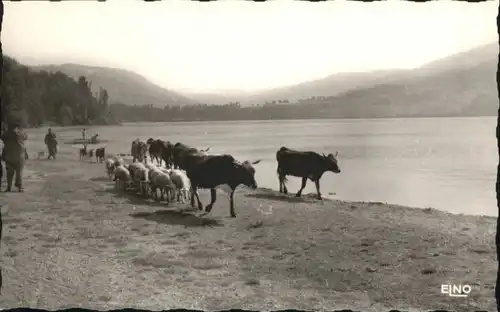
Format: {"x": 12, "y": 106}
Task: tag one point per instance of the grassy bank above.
{"x": 71, "y": 241}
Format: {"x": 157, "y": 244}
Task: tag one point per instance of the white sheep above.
{"x": 166, "y": 170}
{"x": 162, "y": 181}
{"x": 122, "y": 177}
{"x": 151, "y": 166}
{"x": 181, "y": 181}
{"x": 109, "y": 165}
{"x": 118, "y": 160}
{"x": 139, "y": 174}
{"x": 152, "y": 173}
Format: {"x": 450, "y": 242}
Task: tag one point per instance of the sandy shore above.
{"x": 71, "y": 241}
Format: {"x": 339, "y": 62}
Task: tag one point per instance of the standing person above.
{"x": 51, "y": 142}
{"x": 83, "y": 133}
{"x": 1, "y": 167}
{"x": 14, "y": 155}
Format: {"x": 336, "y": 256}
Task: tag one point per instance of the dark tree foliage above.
{"x": 230, "y": 111}
{"x": 36, "y": 98}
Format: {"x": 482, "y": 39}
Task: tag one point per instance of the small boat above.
{"x": 86, "y": 141}
{"x": 93, "y": 140}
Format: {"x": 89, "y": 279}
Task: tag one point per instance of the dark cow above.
{"x": 210, "y": 171}
{"x": 306, "y": 165}
{"x": 99, "y": 154}
{"x": 155, "y": 149}
{"x": 139, "y": 150}
{"x": 178, "y": 152}
{"x": 161, "y": 151}
{"x": 166, "y": 153}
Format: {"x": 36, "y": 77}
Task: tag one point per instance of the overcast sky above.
{"x": 238, "y": 45}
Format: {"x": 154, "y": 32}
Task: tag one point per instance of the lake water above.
{"x": 444, "y": 163}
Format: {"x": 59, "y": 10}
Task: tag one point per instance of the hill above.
{"x": 328, "y": 86}
{"x": 123, "y": 86}
{"x": 460, "y": 85}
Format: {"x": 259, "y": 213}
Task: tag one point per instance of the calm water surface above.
{"x": 444, "y": 163}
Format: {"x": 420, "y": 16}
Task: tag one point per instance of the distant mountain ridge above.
{"x": 458, "y": 85}
{"x": 123, "y": 86}
{"x": 340, "y": 83}
{"x": 331, "y": 85}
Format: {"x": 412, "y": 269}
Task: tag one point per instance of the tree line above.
{"x": 230, "y": 111}
{"x": 37, "y": 98}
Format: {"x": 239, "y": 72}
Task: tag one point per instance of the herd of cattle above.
{"x": 181, "y": 170}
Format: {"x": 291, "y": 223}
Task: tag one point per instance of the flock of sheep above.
{"x": 148, "y": 179}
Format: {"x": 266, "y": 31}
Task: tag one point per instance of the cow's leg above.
{"x": 231, "y": 204}
{"x": 194, "y": 193}
{"x": 299, "y": 193}
{"x": 213, "y": 198}
{"x": 283, "y": 184}
{"x": 200, "y": 205}
{"x": 280, "y": 181}
{"x": 317, "y": 188}
{"x": 193, "y": 190}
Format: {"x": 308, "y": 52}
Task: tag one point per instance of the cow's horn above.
{"x": 336, "y": 153}
{"x": 324, "y": 155}
{"x": 256, "y": 162}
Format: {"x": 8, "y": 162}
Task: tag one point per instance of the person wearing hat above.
{"x": 51, "y": 142}
{"x": 14, "y": 154}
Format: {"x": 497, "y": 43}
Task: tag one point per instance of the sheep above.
{"x": 152, "y": 173}
{"x": 109, "y": 165}
{"x": 182, "y": 183}
{"x": 166, "y": 170}
{"x": 139, "y": 173}
{"x": 118, "y": 160}
{"x": 122, "y": 177}
{"x": 151, "y": 166}
{"x": 162, "y": 181}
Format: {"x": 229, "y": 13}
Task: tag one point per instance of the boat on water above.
{"x": 93, "y": 140}
{"x": 85, "y": 141}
